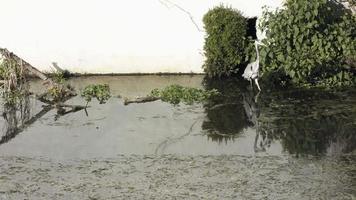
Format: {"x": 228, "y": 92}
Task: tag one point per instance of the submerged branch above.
{"x": 141, "y": 100}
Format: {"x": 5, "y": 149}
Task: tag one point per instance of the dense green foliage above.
{"x": 99, "y": 91}
{"x": 225, "y": 42}
{"x": 175, "y": 94}
{"x": 309, "y": 43}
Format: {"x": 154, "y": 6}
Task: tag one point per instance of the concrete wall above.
{"x": 112, "y": 36}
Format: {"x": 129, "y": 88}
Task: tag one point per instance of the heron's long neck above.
{"x": 258, "y": 54}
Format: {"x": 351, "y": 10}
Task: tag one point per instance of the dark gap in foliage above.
{"x": 251, "y": 28}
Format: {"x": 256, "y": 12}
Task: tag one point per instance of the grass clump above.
{"x": 175, "y": 94}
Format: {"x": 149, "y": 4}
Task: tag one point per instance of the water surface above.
{"x": 242, "y": 144}
{"x": 241, "y": 121}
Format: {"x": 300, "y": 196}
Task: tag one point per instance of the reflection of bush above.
{"x": 225, "y": 113}
{"x": 310, "y": 122}
{"x": 229, "y": 88}
{"x": 228, "y": 119}
{"x": 309, "y": 127}
{"x": 313, "y": 136}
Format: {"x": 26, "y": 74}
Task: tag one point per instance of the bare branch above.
{"x": 168, "y": 4}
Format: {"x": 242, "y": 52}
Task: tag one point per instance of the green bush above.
{"x": 225, "y": 42}
{"x": 309, "y": 43}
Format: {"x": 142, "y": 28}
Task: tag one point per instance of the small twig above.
{"x": 163, "y": 145}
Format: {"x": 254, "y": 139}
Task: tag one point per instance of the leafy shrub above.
{"x": 175, "y": 94}
{"x": 225, "y": 41}
{"x": 309, "y": 42}
{"x": 100, "y": 91}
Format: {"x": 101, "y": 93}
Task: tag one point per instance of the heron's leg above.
{"x": 256, "y": 97}
{"x": 258, "y": 86}
{"x": 251, "y": 83}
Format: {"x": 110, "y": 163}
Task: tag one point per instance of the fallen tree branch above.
{"x": 74, "y": 107}
{"x": 141, "y": 100}
{"x": 9, "y": 55}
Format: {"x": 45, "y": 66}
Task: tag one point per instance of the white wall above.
{"x": 111, "y": 36}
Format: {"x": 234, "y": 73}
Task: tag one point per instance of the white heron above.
{"x": 252, "y": 70}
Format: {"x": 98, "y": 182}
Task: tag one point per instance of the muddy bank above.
{"x": 179, "y": 177}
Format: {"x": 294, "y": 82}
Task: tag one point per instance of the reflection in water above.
{"x": 225, "y": 116}
{"x": 299, "y": 121}
{"x": 310, "y": 122}
{"x": 262, "y": 141}
{"x": 303, "y": 121}
{"x": 17, "y": 117}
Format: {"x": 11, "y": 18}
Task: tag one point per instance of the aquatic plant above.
{"x": 175, "y": 94}
{"x": 99, "y": 91}
{"x": 58, "y": 90}
{"x": 309, "y": 44}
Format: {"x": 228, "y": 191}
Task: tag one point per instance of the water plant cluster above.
{"x": 99, "y": 91}
{"x": 58, "y": 89}
{"x": 175, "y": 94}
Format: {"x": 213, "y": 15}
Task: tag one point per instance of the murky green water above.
{"x": 293, "y": 144}
{"x": 240, "y": 122}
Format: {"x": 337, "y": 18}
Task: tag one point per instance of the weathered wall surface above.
{"x": 112, "y": 36}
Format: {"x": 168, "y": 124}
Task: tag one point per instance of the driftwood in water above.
{"x": 141, "y": 100}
